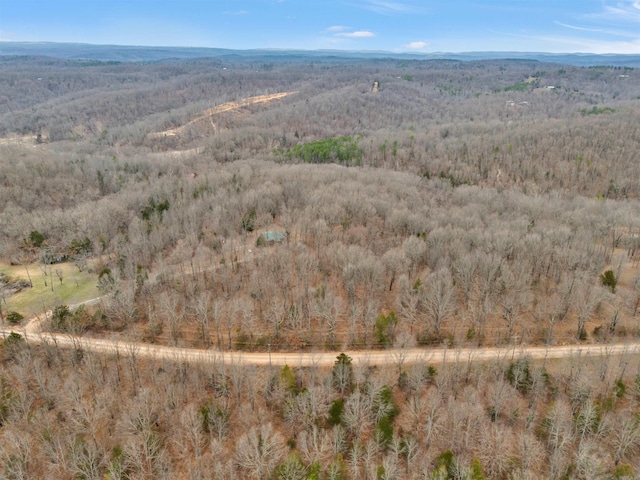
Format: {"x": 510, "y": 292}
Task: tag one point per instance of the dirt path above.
{"x": 32, "y": 331}
{"x": 373, "y": 357}
{"x": 18, "y": 140}
{"x": 225, "y": 107}
{"x": 34, "y": 325}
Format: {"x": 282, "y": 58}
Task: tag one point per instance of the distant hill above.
{"x": 126, "y": 53}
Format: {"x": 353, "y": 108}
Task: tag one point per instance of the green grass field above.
{"x": 75, "y": 287}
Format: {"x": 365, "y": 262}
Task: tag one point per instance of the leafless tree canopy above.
{"x": 280, "y": 204}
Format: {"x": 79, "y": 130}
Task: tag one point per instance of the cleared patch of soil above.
{"x": 225, "y": 107}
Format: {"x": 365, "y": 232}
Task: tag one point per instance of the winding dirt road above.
{"x": 372, "y": 357}
{"x": 32, "y": 332}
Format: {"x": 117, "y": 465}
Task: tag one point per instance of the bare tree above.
{"x": 625, "y": 437}
{"x": 191, "y": 436}
{"x": 485, "y": 289}
{"x": 218, "y": 310}
{"x": 258, "y": 451}
{"x": 438, "y": 298}
{"x": 275, "y": 315}
{"x": 314, "y": 445}
{"x": 330, "y": 309}
{"x": 14, "y": 454}
{"x": 371, "y": 312}
{"x": 202, "y": 307}
{"x": 415, "y": 252}
{"x": 585, "y": 300}
{"x": 395, "y": 262}
{"x": 355, "y": 315}
{"x": 357, "y": 414}
{"x": 173, "y": 315}
{"x": 516, "y": 296}
{"x": 588, "y": 463}
{"x": 408, "y": 301}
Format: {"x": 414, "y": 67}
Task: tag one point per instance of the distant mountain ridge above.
{"x": 129, "y": 53}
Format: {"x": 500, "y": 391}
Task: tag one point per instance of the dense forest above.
{"x": 319, "y": 204}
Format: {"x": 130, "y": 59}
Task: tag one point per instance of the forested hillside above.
{"x": 266, "y": 204}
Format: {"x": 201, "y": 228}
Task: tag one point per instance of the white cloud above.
{"x": 616, "y": 12}
{"x": 570, "y": 44}
{"x": 239, "y": 12}
{"x": 337, "y": 28}
{"x": 588, "y": 45}
{"x": 616, "y": 33}
{"x": 386, "y": 7}
{"x": 356, "y": 34}
{"x": 416, "y": 45}
{"x": 622, "y": 10}
{"x": 613, "y": 28}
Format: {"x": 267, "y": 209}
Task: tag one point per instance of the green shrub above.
{"x": 445, "y": 463}
{"x": 384, "y": 328}
{"x": 14, "y": 317}
{"x": 596, "y": 111}
{"x": 13, "y": 339}
{"x": 81, "y": 246}
{"x": 242, "y": 340}
{"x": 623, "y": 471}
{"x": 214, "y": 418}
{"x": 518, "y": 87}
{"x": 342, "y": 150}
{"x": 338, "y": 469}
{"x": 335, "y": 412}
{"x": 36, "y": 239}
{"x": 384, "y": 401}
{"x": 477, "y": 472}
{"x": 519, "y": 375}
{"x": 288, "y": 380}
{"x": 248, "y": 223}
{"x": 314, "y": 471}
{"x": 292, "y": 468}
{"x": 154, "y": 207}
{"x": 608, "y": 279}
{"x": 403, "y": 380}
{"x": 60, "y": 317}
{"x": 582, "y": 334}
{"x": 384, "y": 430}
{"x": 342, "y": 373}
{"x": 620, "y": 388}
{"x": 387, "y": 411}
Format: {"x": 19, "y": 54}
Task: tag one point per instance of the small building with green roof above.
{"x": 269, "y": 237}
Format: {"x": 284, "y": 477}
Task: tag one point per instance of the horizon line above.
{"x": 293, "y": 49}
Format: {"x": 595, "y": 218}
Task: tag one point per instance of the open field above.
{"x": 75, "y": 287}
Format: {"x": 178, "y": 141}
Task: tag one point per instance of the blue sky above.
{"x": 594, "y": 26}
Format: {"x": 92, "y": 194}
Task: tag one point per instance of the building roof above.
{"x": 271, "y": 236}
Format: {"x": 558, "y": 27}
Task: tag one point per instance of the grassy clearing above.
{"x": 75, "y": 287}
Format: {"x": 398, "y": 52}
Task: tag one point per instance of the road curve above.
{"x": 371, "y": 357}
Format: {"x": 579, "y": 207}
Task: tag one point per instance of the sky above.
{"x": 427, "y": 26}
